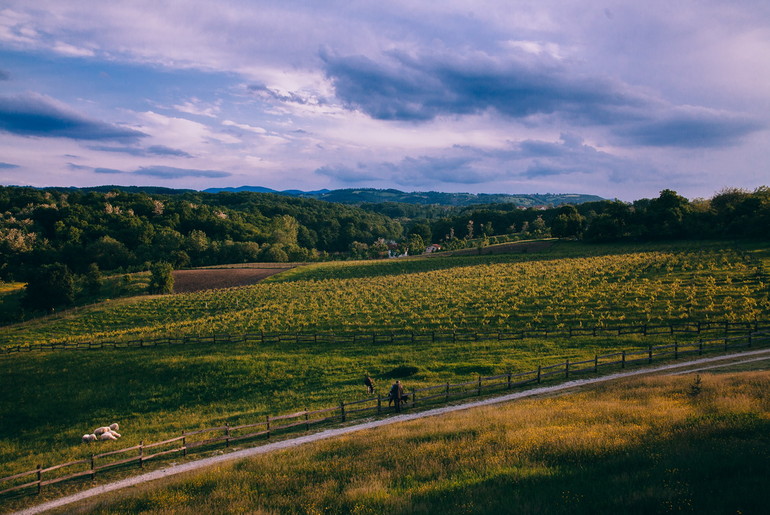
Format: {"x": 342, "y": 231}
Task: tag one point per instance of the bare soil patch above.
{"x": 186, "y": 281}
{"x": 503, "y": 248}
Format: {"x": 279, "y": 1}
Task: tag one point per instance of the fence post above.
{"x": 538, "y": 374}
{"x": 93, "y": 472}
{"x": 509, "y": 380}
{"x": 414, "y": 398}
{"x": 227, "y": 435}
{"x": 268, "y": 426}
{"x": 184, "y": 444}
{"x": 447, "y": 393}
{"x": 649, "y": 354}
{"x": 141, "y": 454}
{"x": 39, "y": 478}
{"x": 566, "y": 369}
{"x": 623, "y": 359}
{"x": 749, "y": 339}
{"x": 379, "y": 404}
{"x": 700, "y": 348}
{"x": 698, "y": 326}
{"x": 644, "y": 329}
{"x": 342, "y": 410}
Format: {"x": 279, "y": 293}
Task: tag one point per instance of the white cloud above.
{"x": 180, "y": 132}
{"x": 71, "y": 50}
{"x": 197, "y": 107}
{"x": 244, "y": 127}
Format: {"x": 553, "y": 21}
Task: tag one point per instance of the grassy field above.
{"x": 49, "y": 400}
{"x": 646, "y": 446}
{"x": 569, "y": 284}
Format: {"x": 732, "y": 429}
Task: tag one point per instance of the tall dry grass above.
{"x": 647, "y": 446}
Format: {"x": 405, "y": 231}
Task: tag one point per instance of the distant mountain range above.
{"x": 375, "y": 196}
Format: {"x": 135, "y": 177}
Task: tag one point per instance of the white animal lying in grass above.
{"x": 103, "y": 433}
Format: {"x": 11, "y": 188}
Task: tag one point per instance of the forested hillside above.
{"x": 126, "y": 230}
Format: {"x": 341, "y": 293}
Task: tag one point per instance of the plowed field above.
{"x": 186, "y": 281}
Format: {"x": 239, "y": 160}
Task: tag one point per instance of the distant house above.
{"x": 433, "y": 247}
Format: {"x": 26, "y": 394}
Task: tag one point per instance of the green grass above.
{"x": 56, "y": 397}
{"x": 113, "y": 287}
{"x": 49, "y": 400}
{"x": 558, "y": 288}
{"x": 647, "y": 446}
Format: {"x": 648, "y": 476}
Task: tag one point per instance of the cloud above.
{"x": 412, "y": 171}
{"x": 154, "y": 150}
{"x": 196, "y": 107}
{"x": 71, "y": 50}
{"x": 168, "y": 172}
{"x": 4, "y": 75}
{"x": 107, "y": 171}
{"x": 293, "y": 97}
{"x": 423, "y": 87}
{"x": 691, "y": 127}
{"x": 529, "y": 87}
{"x": 6, "y": 166}
{"x": 32, "y": 114}
{"x": 245, "y": 127}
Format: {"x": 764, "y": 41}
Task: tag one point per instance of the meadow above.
{"x": 48, "y": 400}
{"x": 649, "y": 445}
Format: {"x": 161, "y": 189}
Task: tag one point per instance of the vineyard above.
{"x": 400, "y": 318}
{"x": 460, "y": 293}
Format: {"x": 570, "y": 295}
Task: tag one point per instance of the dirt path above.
{"x": 331, "y": 433}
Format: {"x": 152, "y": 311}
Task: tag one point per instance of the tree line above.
{"x": 69, "y": 236}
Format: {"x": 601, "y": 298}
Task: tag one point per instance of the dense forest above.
{"x": 128, "y": 229}
{"x": 378, "y": 196}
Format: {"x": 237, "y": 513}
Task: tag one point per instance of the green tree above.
{"x": 416, "y": 244}
{"x": 285, "y": 230}
{"x": 49, "y": 287}
{"x": 161, "y": 278}
{"x": 568, "y": 223}
{"x": 539, "y": 227}
{"x": 93, "y": 279}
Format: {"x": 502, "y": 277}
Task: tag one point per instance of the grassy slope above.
{"x": 562, "y": 286}
{"x": 48, "y": 400}
{"x": 642, "y": 447}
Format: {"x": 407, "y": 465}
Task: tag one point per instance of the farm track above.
{"x": 713, "y": 362}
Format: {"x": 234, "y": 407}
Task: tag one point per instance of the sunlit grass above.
{"x": 559, "y": 288}
{"x": 647, "y": 446}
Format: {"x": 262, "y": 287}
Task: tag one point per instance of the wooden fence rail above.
{"x": 412, "y": 337}
{"x": 203, "y": 438}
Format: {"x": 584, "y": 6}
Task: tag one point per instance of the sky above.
{"x": 613, "y": 98}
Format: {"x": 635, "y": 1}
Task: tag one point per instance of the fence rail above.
{"x": 725, "y": 328}
{"x": 190, "y": 440}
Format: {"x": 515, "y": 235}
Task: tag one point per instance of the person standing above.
{"x": 396, "y": 394}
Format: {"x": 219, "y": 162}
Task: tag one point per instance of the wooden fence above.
{"x": 32, "y": 481}
{"x": 723, "y": 327}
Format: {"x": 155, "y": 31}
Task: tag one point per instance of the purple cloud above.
{"x": 38, "y": 115}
